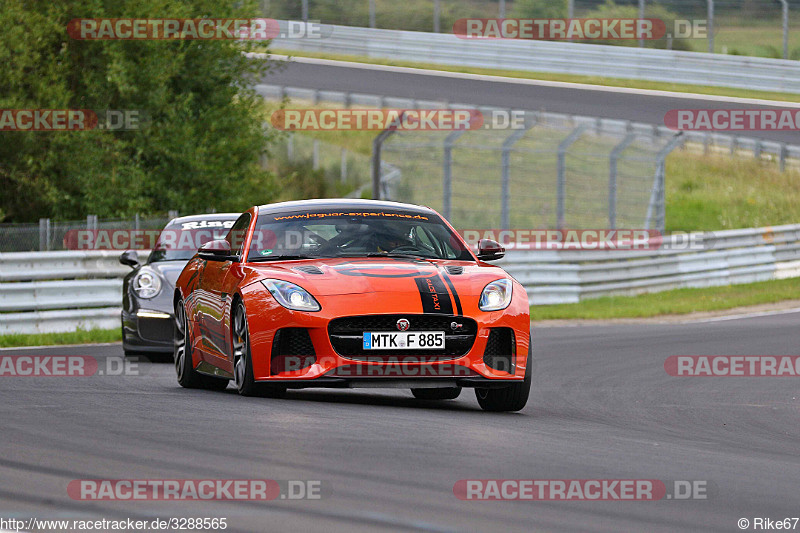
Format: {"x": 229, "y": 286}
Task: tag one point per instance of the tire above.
{"x": 511, "y": 398}
{"x": 243, "y": 362}
{"x": 188, "y": 377}
{"x": 449, "y": 393}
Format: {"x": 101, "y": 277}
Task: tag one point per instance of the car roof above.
{"x": 208, "y": 216}
{"x": 341, "y": 203}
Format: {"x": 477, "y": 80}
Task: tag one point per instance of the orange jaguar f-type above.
{"x": 352, "y": 293}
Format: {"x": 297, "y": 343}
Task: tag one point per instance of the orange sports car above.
{"x": 349, "y": 293}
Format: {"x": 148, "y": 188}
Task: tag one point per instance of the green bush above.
{"x": 201, "y": 143}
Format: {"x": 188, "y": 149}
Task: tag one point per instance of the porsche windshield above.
{"x": 181, "y": 240}
{"x": 362, "y": 234}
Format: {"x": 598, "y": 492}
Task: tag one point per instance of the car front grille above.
{"x": 500, "y": 350}
{"x": 292, "y": 350}
{"x": 347, "y": 336}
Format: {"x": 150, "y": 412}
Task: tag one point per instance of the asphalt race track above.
{"x": 602, "y": 407}
{"x": 646, "y": 108}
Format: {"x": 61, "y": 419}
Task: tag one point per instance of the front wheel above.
{"x": 188, "y": 377}
{"x": 511, "y": 398}
{"x": 449, "y": 393}
{"x": 243, "y": 361}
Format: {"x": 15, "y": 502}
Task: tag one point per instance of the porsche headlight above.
{"x": 291, "y": 296}
{"x": 146, "y": 284}
{"x": 496, "y": 295}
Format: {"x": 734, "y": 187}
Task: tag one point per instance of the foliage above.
{"x": 198, "y": 147}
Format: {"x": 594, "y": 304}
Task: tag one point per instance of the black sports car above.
{"x": 147, "y": 311}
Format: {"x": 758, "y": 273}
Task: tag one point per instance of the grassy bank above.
{"x": 94, "y": 336}
{"x": 674, "y": 302}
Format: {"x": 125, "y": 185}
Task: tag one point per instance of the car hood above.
{"x": 330, "y": 277}
{"x": 169, "y": 270}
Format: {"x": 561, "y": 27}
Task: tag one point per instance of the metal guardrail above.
{"x": 693, "y": 68}
{"x": 37, "y": 290}
{"x": 727, "y": 257}
{"x": 50, "y": 292}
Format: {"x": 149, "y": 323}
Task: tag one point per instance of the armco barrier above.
{"x": 727, "y": 257}
{"x": 693, "y": 68}
{"x": 49, "y": 292}
{"x": 61, "y": 291}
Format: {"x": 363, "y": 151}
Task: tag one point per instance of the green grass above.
{"x": 750, "y": 37}
{"x": 716, "y": 192}
{"x": 93, "y": 336}
{"x": 546, "y": 76}
{"x": 674, "y": 302}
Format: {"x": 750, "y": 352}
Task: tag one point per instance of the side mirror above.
{"x": 489, "y": 250}
{"x": 129, "y": 258}
{"x": 218, "y": 250}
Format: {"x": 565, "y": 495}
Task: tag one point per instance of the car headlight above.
{"x": 291, "y": 296}
{"x": 146, "y": 284}
{"x": 496, "y": 295}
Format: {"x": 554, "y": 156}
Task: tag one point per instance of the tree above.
{"x": 202, "y": 136}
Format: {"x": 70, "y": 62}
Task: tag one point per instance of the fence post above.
{"x": 561, "y": 172}
{"x": 612, "y": 178}
{"x": 290, "y": 147}
{"x": 304, "y": 10}
{"x": 657, "y": 201}
{"x": 315, "y": 154}
{"x": 173, "y": 213}
{"x": 782, "y": 157}
{"x": 785, "y": 9}
{"x": 136, "y": 222}
{"x": 377, "y": 144}
{"x": 502, "y": 9}
{"x": 641, "y": 16}
{"x": 437, "y": 8}
{"x": 343, "y": 166}
{"x": 710, "y": 26}
{"x": 44, "y": 234}
{"x": 371, "y": 13}
{"x": 505, "y": 184}
{"x": 447, "y": 177}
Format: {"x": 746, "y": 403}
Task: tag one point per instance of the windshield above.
{"x": 180, "y": 241}
{"x": 360, "y": 234}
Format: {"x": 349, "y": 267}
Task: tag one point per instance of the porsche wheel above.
{"x": 449, "y": 393}
{"x": 243, "y": 362}
{"x": 188, "y": 377}
{"x": 511, "y": 398}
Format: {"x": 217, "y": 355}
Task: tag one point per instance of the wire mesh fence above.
{"x": 345, "y": 172}
{"x": 557, "y": 172}
{"x": 52, "y": 235}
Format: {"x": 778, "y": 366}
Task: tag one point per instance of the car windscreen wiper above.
{"x": 278, "y": 258}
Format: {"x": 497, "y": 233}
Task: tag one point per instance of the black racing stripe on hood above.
{"x": 434, "y": 295}
{"x": 456, "y": 299}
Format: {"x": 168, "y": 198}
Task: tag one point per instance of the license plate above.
{"x": 403, "y": 340}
